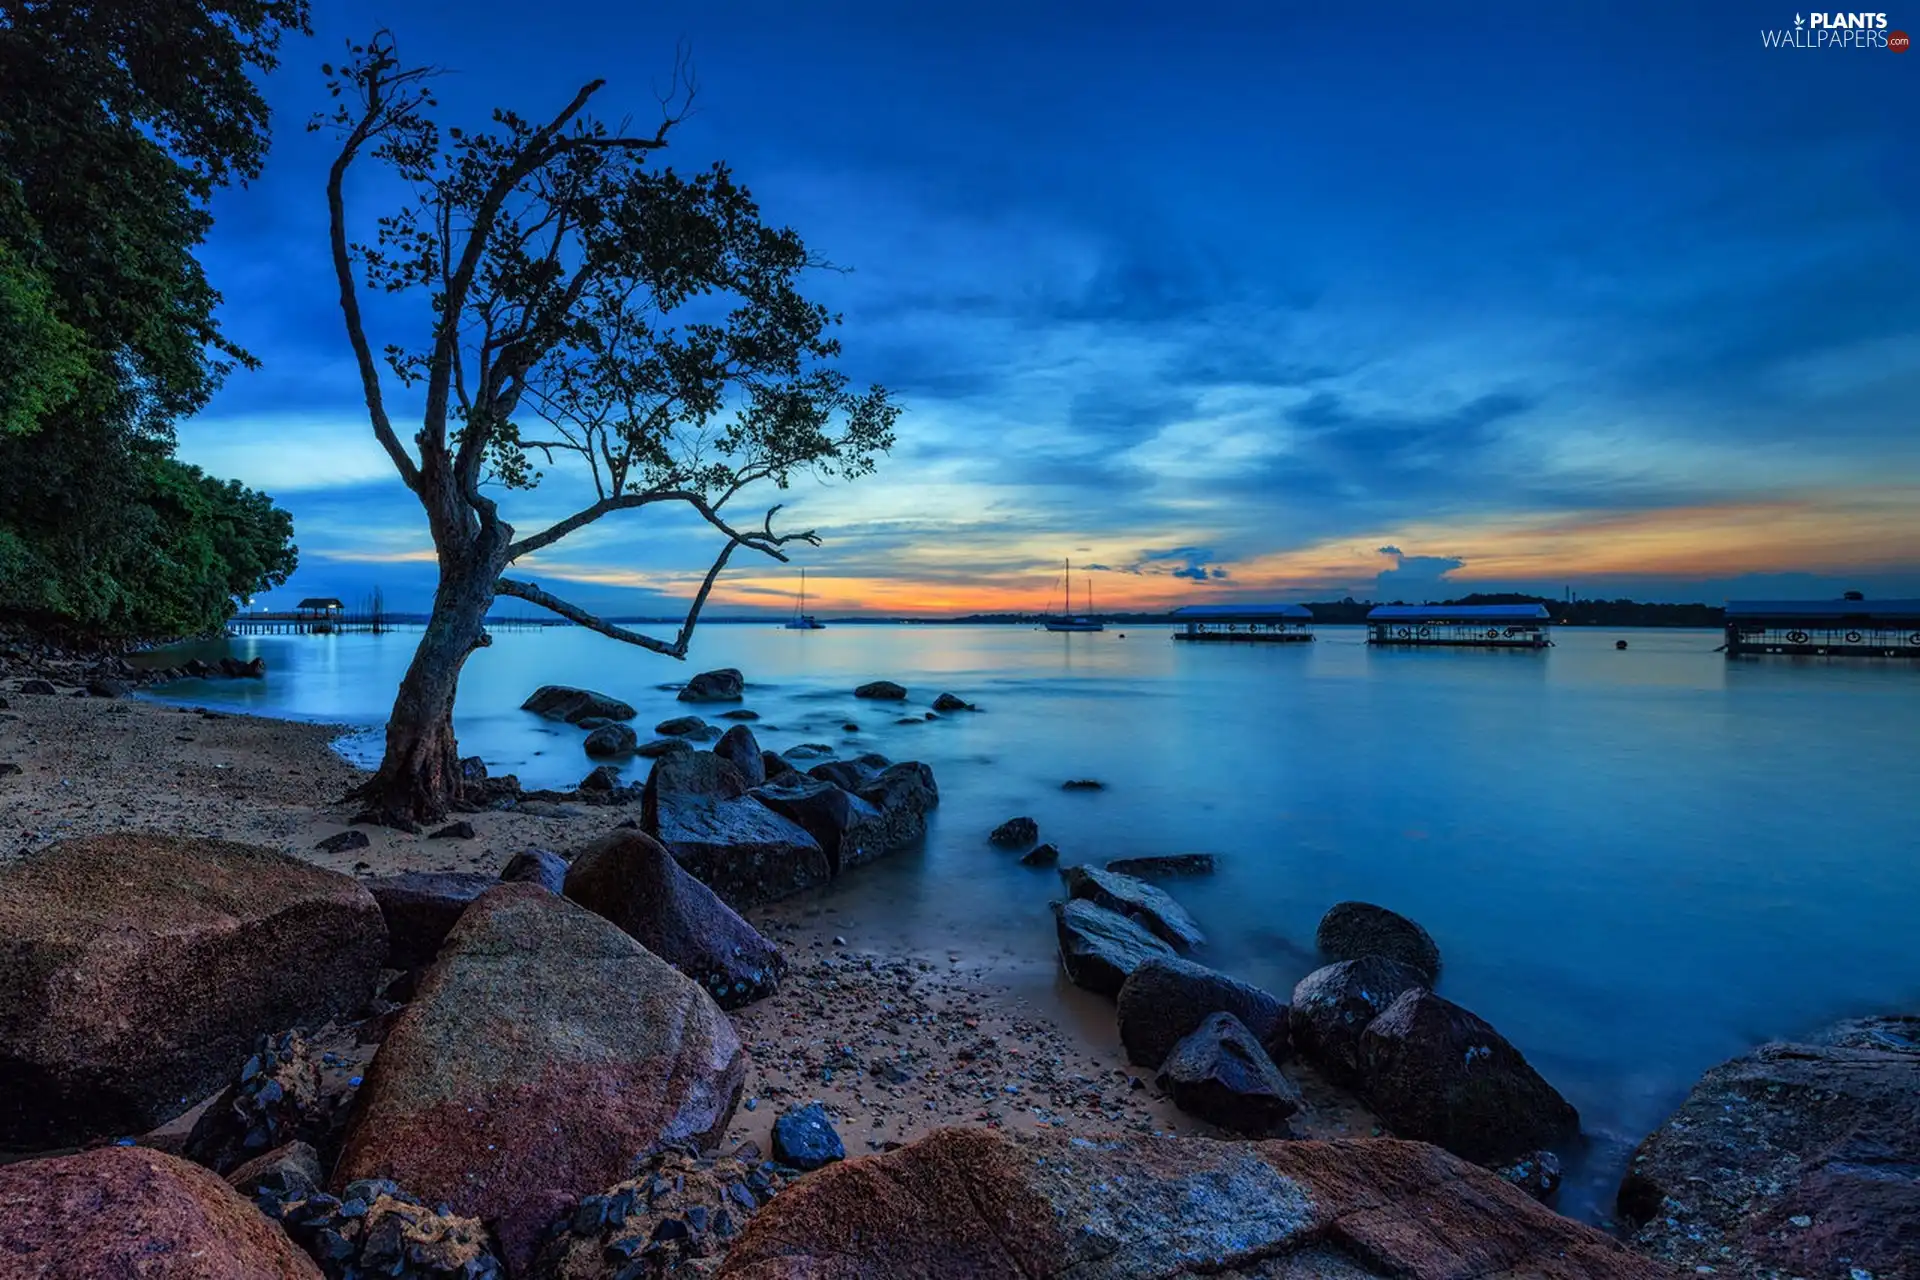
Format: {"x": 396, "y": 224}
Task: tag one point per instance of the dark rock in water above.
{"x": 138, "y": 971}
{"x": 1100, "y": 948}
{"x": 1220, "y": 1073}
{"x": 104, "y": 688}
{"x": 679, "y": 726}
{"x": 904, "y": 793}
{"x": 536, "y": 866}
{"x": 1164, "y": 1000}
{"x": 804, "y": 1139}
{"x": 594, "y": 722}
{"x": 1137, "y": 900}
{"x": 343, "y": 841}
{"x": 39, "y": 687}
{"x": 602, "y": 780}
{"x": 1436, "y": 1072}
{"x": 629, "y": 879}
{"x": 544, "y": 1050}
{"x": 849, "y": 830}
{"x": 881, "y": 690}
{"x": 291, "y": 1171}
{"x": 777, "y": 767}
{"x": 1537, "y": 1173}
{"x": 373, "y": 1228}
{"x": 968, "y": 1203}
{"x": 739, "y": 713}
{"x": 1015, "y": 833}
{"x": 738, "y": 746}
{"x": 1083, "y": 784}
{"x": 1797, "y": 1159}
{"x": 1334, "y": 1005}
{"x": 676, "y": 1216}
{"x": 1350, "y": 930}
{"x": 948, "y": 702}
{"x": 559, "y": 702}
{"x": 612, "y": 740}
{"x": 724, "y": 685}
{"x": 276, "y": 1100}
{"x": 1041, "y": 855}
{"x": 698, "y": 807}
{"x": 114, "y": 1213}
{"x": 472, "y": 769}
{"x": 1169, "y": 864}
{"x": 908, "y": 720}
{"x": 808, "y": 751}
{"x": 663, "y": 747}
{"x": 420, "y": 908}
{"x": 461, "y": 830}
{"x": 849, "y": 774}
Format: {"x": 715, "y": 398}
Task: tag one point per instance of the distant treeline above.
{"x": 1576, "y": 613}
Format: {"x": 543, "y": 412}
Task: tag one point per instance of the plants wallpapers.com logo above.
{"x": 1837, "y": 31}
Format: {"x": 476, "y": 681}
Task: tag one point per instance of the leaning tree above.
{"x": 588, "y": 306}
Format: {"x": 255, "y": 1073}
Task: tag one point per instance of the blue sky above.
{"x": 1276, "y": 301}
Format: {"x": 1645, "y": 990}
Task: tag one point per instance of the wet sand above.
{"x": 894, "y": 1040}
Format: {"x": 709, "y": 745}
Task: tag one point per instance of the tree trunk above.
{"x": 419, "y": 777}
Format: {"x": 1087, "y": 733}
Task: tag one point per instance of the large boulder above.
{"x": 420, "y": 908}
{"x": 119, "y": 1212}
{"x": 1350, "y": 930}
{"x": 537, "y": 866}
{"x": 696, "y": 804}
{"x": 561, "y": 702}
{"x": 611, "y": 741}
{"x": 1333, "y": 1005}
{"x": 952, "y": 702}
{"x": 544, "y": 1051}
{"x": 904, "y": 793}
{"x": 628, "y": 878}
{"x": 137, "y": 972}
{"x": 849, "y": 830}
{"x": 1796, "y": 1160}
{"x": 1100, "y": 948}
{"x": 850, "y": 774}
{"x": 737, "y": 745}
{"x": 966, "y": 1203}
{"x": 1438, "y": 1073}
{"x": 679, "y": 726}
{"x": 724, "y": 685}
{"x": 1220, "y": 1073}
{"x": 1139, "y": 901}
{"x": 881, "y": 691}
{"x": 1165, "y": 999}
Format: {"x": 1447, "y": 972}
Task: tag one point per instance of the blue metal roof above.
{"x": 1457, "y": 613}
{"x": 1904, "y": 610}
{"x": 1241, "y": 612}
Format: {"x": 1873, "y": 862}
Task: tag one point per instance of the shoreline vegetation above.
{"x": 931, "y": 1064}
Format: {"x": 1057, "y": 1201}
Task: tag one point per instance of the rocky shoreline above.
{"x": 612, "y": 1032}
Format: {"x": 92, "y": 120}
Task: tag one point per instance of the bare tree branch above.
{"x": 574, "y": 613}
{"x": 765, "y": 540}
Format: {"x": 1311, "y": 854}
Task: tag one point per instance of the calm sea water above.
{"x": 1637, "y": 863}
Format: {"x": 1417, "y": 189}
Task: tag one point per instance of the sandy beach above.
{"x": 895, "y": 1045}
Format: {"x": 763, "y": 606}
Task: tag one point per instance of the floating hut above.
{"x": 1484, "y": 626}
{"x": 1262, "y": 623}
{"x": 1824, "y": 628}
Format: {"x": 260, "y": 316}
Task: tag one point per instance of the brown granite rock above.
{"x": 120, "y": 1212}
{"x": 1795, "y": 1160}
{"x": 629, "y": 879}
{"x": 545, "y": 1051}
{"x": 976, "y": 1202}
{"x": 137, "y": 971}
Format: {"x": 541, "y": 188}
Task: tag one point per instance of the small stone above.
{"x": 804, "y": 1138}
{"x": 1083, "y": 784}
{"x": 344, "y": 841}
{"x": 1015, "y": 833}
{"x": 461, "y": 830}
{"x": 1041, "y": 855}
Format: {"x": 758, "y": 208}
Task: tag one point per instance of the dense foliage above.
{"x": 118, "y": 119}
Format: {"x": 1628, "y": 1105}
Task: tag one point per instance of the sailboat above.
{"x": 1068, "y": 622}
{"x": 802, "y": 620}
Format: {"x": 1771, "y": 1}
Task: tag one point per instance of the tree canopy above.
{"x": 118, "y": 119}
